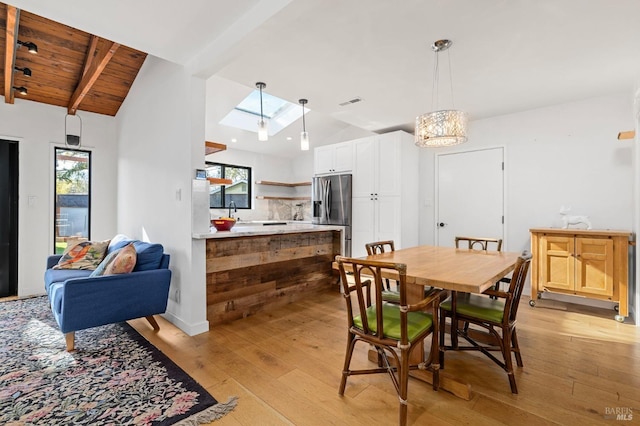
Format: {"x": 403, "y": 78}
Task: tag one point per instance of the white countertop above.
{"x": 244, "y": 230}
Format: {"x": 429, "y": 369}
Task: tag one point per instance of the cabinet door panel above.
{"x": 594, "y": 273}
{"x": 364, "y": 172}
{"x": 557, "y": 262}
{"x": 388, "y": 166}
{"x": 362, "y": 228}
{"x": 388, "y": 220}
{"x": 343, "y": 157}
{"x": 323, "y": 159}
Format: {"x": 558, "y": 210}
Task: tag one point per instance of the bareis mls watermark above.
{"x": 618, "y": 413}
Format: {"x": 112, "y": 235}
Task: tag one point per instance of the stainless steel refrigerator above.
{"x": 331, "y": 201}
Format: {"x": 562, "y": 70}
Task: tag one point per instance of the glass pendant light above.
{"x": 263, "y": 132}
{"x": 304, "y": 136}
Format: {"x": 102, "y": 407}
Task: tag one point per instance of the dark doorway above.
{"x": 8, "y": 218}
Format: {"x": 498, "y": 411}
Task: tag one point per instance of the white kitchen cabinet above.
{"x": 377, "y": 163}
{"x": 385, "y": 191}
{"x": 374, "y": 219}
{"x": 335, "y": 158}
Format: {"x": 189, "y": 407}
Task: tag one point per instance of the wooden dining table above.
{"x": 453, "y": 269}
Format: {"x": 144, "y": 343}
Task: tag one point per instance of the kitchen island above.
{"x": 256, "y": 267}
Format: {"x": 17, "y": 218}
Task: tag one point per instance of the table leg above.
{"x": 454, "y": 320}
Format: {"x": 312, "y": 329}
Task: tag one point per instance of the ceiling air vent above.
{"x": 351, "y": 101}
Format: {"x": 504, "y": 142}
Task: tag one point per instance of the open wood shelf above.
{"x": 630, "y": 134}
{"x": 211, "y": 147}
{"x": 265, "y": 197}
{"x": 219, "y": 181}
{"x": 290, "y": 185}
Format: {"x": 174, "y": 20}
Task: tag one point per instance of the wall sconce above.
{"x": 22, "y": 90}
{"x": 26, "y": 71}
{"x": 72, "y": 137}
{"x": 32, "y": 47}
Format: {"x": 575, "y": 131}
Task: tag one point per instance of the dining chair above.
{"x": 497, "y": 316}
{"x": 475, "y": 243}
{"x": 479, "y": 243}
{"x": 389, "y": 295}
{"x": 394, "y": 330}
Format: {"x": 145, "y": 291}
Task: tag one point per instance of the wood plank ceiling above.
{"x": 72, "y": 69}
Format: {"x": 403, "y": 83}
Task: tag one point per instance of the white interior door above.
{"x": 470, "y": 195}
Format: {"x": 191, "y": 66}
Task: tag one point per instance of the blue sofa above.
{"x": 79, "y": 301}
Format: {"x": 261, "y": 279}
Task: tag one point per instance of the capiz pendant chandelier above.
{"x": 445, "y": 127}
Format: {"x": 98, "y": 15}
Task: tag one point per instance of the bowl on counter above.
{"x": 223, "y": 223}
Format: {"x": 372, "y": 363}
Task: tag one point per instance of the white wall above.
{"x": 634, "y": 300}
{"x": 38, "y": 128}
{"x": 559, "y": 155}
{"x": 263, "y": 167}
{"x": 161, "y": 140}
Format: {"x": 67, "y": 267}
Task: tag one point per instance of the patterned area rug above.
{"x": 115, "y": 377}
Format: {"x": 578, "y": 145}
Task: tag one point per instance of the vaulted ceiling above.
{"x": 72, "y": 68}
{"x": 507, "y": 56}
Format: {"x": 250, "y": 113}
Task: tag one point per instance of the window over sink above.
{"x": 239, "y": 191}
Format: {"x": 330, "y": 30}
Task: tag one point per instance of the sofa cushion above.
{"x": 56, "y": 293}
{"x": 149, "y": 256}
{"x": 83, "y": 255}
{"x": 118, "y": 242}
{"x": 61, "y": 275}
{"x": 99, "y": 271}
{"x": 123, "y": 262}
{"x": 119, "y": 261}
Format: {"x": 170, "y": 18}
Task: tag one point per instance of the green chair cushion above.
{"x": 476, "y": 306}
{"x": 391, "y": 296}
{"x": 417, "y": 322}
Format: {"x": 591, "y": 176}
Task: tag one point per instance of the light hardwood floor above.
{"x": 285, "y": 365}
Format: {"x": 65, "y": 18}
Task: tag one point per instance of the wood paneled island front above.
{"x": 250, "y": 269}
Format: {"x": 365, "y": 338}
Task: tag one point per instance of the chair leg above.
{"x": 404, "y": 386}
{"x": 508, "y": 362}
{"x": 516, "y": 347}
{"x": 435, "y": 366}
{"x": 153, "y": 322}
{"x": 351, "y": 342}
{"x": 70, "y": 338}
{"x": 443, "y": 324}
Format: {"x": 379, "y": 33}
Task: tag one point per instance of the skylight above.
{"x": 277, "y": 112}
{"x": 271, "y": 105}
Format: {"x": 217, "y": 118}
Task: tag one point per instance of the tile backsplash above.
{"x": 288, "y": 210}
{"x": 271, "y": 210}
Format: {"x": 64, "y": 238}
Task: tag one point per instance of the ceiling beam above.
{"x": 91, "y": 74}
{"x": 11, "y": 38}
{"x": 91, "y": 52}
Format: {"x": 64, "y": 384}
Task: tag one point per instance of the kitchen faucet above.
{"x": 235, "y": 209}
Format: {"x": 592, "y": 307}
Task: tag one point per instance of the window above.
{"x": 277, "y": 112}
{"x": 239, "y": 191}
{"x": 72, "y": 198}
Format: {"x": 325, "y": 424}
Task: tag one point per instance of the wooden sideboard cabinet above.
{"x": 580, "y": 262}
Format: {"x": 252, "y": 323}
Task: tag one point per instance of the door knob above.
{"x": 442, "y": 224}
